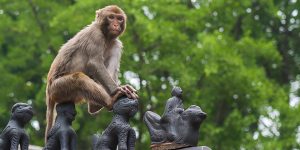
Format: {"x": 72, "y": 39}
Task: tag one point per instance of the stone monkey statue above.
{"x": 14, "y": 133}
{"x": 175, "y": 101}
{"x": 118, "y": 133}
{"x": 187, "y": 129}
{"x": 176, "y": 125}
{"x": 62, "y": 136}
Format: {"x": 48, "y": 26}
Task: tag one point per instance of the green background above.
{"x": 237, "y": 59}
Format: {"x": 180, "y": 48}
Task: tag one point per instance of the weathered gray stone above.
{"x": 176, "y": 125}
{"x": 119, "y": 132}
{"x": 14, "y": 133}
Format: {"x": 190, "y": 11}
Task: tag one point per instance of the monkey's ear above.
{"x": 98, "y": 13}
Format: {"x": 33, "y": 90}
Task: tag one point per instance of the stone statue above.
{"x": 175, "y": 102}
{"x": 176, "y": 125}
{"x": 118, "y": 133}
{"x": 14, "y": 133}
{"x": 61, "y": 135}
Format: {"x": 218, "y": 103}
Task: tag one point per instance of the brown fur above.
{"x": 86, "y": 67}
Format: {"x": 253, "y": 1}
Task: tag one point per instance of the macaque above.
{"x": 86, "y": 67}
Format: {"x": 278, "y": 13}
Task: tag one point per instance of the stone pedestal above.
{"x": 32, "y": 147}
{"x": 197, "y": 148}
{"x": 174, "y": 146}
{"x": 167, "y": 146}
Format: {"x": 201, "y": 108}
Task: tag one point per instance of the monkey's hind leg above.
{"x": 77, "y": 86}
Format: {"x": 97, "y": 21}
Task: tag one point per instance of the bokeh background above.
{"x": 237, "y": 59}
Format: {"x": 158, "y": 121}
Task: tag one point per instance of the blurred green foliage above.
{"x": 238, "y": 60}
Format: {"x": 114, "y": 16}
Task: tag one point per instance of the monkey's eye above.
{"x": 111, "y": 17}
{"x": 120, "y": 18}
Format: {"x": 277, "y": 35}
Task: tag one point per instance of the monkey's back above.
{"x": 73, "y": 55}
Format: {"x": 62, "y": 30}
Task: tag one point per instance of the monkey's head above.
{"x": 126, "y": 106}
{"x": 22, "y": 112}
{"x": 112, "y": 21}
{"x": 194, "y": 115}
{"x": 67, "y": 110}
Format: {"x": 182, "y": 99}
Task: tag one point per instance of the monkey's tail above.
{"x": 49, "y": 115}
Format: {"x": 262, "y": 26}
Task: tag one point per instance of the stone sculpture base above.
{"x": 32, "y": 147}
{"x": 197, "y": 148}
{"x": 167, "y": 146}
{"x": 174, "y": 146}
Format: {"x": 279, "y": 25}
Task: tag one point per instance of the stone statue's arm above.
{"x": 24, "y": 142}
{"x": 73, "y": 141}
{"x": 170, "y": 105}
{"x": 64, "y": 140}
{"x": 15, "y": 138}
{"x": 122, "y": 137}
{"x": 131, "y": 139}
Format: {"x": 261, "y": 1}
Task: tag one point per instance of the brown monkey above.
{"x": 86, "y": 67}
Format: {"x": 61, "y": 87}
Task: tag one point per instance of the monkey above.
{"x": 86, "y": 67}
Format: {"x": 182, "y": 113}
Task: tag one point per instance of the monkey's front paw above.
{"x": 129, "y": 91}
{"x": 114, "y": 98}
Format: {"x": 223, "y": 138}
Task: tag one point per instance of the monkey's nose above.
{"x": 115, "y": 26}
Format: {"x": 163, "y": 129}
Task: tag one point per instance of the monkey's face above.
{"x": 113, "y": 21}
{"x": 113, "y": 25}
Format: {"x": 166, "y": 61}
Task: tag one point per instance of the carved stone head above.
{"x": 194, "y": 115}
{"x": 176, "y": 91}
{"x": 22, "y": 112}
{"x": 126, "y": 106}
{"x": 67, "y": 110}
